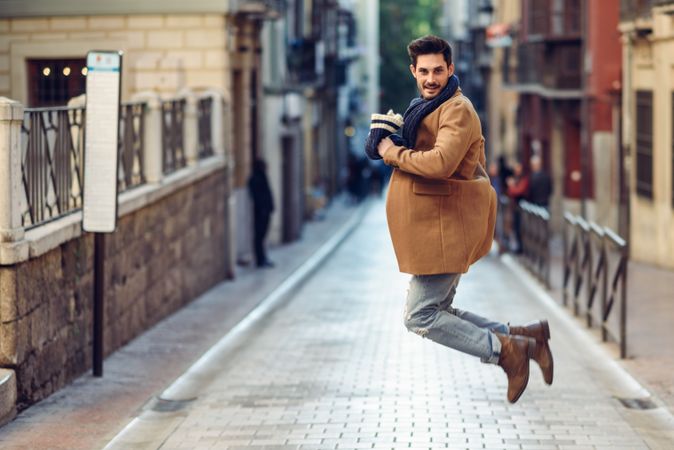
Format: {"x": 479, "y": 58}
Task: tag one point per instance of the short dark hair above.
{"x": 427, "y": 45}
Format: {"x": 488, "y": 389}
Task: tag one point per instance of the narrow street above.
{"x": 332, "y": 366}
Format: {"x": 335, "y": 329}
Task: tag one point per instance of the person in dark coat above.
{"x": 540, "y": 184}
{"x": 263, "y": 206}
{"x": 518, "y": 189}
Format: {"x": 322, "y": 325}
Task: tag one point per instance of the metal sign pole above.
{"x": 101, "y": 158}
{"x": 99, "y": 295}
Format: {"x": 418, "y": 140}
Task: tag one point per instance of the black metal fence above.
{"x": 535, "y": 222}
{"x": 52, "y": 153}
{"x": 131, "y": 145}
{"x": 204, "y": 118}
{"x": 51, "y": 163}
{"x": 173, "y": 136}
{"x": 531, "y": 241}
{"x": 596, "y": 261}
{"x": 52, "y": 159}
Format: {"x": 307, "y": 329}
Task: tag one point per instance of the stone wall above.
{"x": 164, "y": 53}
{"x": 161, "y": 257}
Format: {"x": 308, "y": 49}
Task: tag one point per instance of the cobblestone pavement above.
{"x": 334, "y": 368}
{"x": 89, "y": 412}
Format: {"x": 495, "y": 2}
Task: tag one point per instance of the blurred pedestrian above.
{"x": 518, "y": 189}
{"x": 441, "y": 212}
{"x": 505, "y": 172}
{"x": 263, "y": 206}
{"x": 540, "y": 184}
{"x": 495, "y": 178}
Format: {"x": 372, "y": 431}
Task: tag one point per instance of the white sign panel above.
{"x": 100, "y": 142}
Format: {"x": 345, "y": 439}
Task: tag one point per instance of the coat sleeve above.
{"x": 453, "y": 140}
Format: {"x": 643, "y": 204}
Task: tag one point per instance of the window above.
{"x": 644, "y": 148}
{"x": 52, "y": 82}
{"x": 539, "y": 16}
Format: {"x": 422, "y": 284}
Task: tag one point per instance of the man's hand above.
{"x": 384, "y": 145}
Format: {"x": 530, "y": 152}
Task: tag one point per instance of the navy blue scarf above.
{"x": 419, "y": 108}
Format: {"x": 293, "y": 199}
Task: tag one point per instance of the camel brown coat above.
{"x": 441, "y": 208}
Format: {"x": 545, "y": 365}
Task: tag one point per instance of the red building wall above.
{"x": 603, "y": 44}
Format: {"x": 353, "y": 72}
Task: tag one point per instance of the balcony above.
{"x": 303, "y": 61}
{"x": 631, "y": 10}
{"x": 553, "y": 71}
{"x": 554, "y": 20}
{"x": 271, "y": 9}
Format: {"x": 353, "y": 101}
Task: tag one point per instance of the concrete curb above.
{"x": 656, "y": 425}
{"x": 154, "y": 424}
{"x": 7, "y": 396}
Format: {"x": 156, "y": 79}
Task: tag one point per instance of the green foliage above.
{"x": 401, "y": 21}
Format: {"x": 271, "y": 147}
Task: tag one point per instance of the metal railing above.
{"x": 51, "y": 163}
{"x": 593, "y": 255}
{"x": 131, "y": 145}
{"x": 173, "y": 136}
{"x": 503, "y": 228}
{"x": 205, "y": 126}
{"x": 52, "y": 159}
{"x": 52, "y": 152}
{"x": 535, "y": 223}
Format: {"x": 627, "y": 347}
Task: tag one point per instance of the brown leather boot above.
{"x": 514, "y": 360}
{"x": 539, "y": 330}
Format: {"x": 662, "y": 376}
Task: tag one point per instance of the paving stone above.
{"x": 335, "y": 368}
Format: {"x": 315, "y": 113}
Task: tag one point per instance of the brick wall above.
{"x": 161, "y": 257}
{"x": 164, "y": 53}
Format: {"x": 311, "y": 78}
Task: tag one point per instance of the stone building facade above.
{"x": 179, "y": 233}
{"x": 163, "y": 53}
{"x": 648, "y": 127}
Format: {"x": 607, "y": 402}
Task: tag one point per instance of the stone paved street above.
{"x": 334, "y": 368}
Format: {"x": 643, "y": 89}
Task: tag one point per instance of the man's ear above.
{"x": 451, "y": 69}
{"x": 413, "y": 70}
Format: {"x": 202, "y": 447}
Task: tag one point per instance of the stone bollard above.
{"x": 7, "y": 396}
{"x": 218, "y": 124}
{"x": 190, "y": 126}
{"x": 153, "y": 157}
{"x": 11, "y": 117}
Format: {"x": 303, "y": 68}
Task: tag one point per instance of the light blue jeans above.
{"x": 429, "y": 313}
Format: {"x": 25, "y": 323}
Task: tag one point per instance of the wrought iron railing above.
{"x": 51, "y": 163}
{"x": 536, "y": 240}
{"x": 539, "y": 63}
{"x": 503, "y": 228}
{"x": 173, "y": 136}
{"x": 593, "y": 255}
{"x": 52, "y": 159}
{"x": 131, "y": 145}
{"x": 205, "y": 126}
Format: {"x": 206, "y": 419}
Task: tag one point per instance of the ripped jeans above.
{"x": 429, "y": 313}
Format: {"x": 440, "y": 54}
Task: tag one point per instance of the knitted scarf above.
{"x": 419, "y": 108}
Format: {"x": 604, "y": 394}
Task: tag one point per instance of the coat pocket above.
{"x": 432, "y": 188}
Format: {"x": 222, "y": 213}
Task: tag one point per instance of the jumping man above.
{"x": 441, "y": 212}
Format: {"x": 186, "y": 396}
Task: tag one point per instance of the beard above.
{"x": 431, "y": 90}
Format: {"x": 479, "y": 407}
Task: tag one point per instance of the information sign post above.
{"x": 101, "y": 158}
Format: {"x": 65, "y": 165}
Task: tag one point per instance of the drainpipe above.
{"x": 627, "y": 137}
{"x": 585, "y": 116}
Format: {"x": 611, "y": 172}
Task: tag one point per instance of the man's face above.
{"x": 432, "y": 74}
